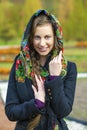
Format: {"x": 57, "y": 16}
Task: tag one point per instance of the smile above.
{"x": 42, "y": 49}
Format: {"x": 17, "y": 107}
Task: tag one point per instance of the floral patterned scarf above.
{"x": 23, "y": 62}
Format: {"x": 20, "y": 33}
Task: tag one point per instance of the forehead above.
{"x": 46, "y": 28}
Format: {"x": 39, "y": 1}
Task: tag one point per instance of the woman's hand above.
{"x": 40, "y": 93}
{"x": 55, "y": 65}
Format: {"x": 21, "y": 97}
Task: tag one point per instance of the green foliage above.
{"x": 13, "y": 17}
{"x": 51, "y": 6}
{"x": 76, "y": 25}
{"x": 8, "y": 32}
{"x": 8, "y": 28}
{"x": 30, "y": 7}
{"x": 15, "y": 41}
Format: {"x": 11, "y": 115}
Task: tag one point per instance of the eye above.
{"x": 36, "y": 37}
{"x": 47, "y": 37}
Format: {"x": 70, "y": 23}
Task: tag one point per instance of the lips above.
{"x": 42, "y": 49}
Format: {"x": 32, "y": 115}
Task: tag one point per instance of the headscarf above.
{"x": 23, "y": 63}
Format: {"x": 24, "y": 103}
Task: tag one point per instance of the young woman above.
{"x": 42, "y": 83}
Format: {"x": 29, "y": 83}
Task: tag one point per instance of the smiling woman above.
{"x": 42, "y": 83}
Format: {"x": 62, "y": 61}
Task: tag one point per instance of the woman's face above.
{"x": 43, "y": 40}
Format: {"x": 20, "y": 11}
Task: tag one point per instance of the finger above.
{"x": 40, "y": 79}
{"x": 34, "y": 89}
{"x": 36, "y": 78}
{"x": 38, "y": 82}
{"x": 59, "y": 57}
{"x": 53, "y": 60}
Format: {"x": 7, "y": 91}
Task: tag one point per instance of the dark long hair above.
{"x": 38, "y": 21}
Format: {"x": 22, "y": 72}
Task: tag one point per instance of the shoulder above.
{"x": 15, "y": 59}
{"x": 71, "y": 65}
{"x": 14, "y": 65}
{"x": 71, "y": 68}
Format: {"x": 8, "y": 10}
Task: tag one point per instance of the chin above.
{"x": 44, "y": 53}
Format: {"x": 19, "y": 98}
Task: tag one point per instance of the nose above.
{"x": 42, "y": 42}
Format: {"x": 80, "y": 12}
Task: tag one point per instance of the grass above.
{"x": 11, "y": 42}
{"x": 7, "y": 65}
{"x": 4, "y": 77}
{"x": 77, "y": 55}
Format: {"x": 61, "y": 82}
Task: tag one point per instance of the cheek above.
{"x": 35, "y": 46}
{"x": 51, "y": 43}
{"x": 52, "y": 46}
{"x": 35, "y": 43}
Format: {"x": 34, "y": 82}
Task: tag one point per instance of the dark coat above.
{"x": 20, "y": 105}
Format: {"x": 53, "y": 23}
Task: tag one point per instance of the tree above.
{"x": 13, "y": 21}
{"x": 7, "y": 30}
{"x": 65, "y": 9}
{"x": 76, "y": 25}
{"x": 31, "y": 6}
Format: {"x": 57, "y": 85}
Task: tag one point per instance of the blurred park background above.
{"x": 72, "y": 14}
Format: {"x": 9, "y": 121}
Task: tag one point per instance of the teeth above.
{"x": 42, "y": 49}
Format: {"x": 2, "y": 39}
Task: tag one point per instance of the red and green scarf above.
{"x": 23, "y": 63}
